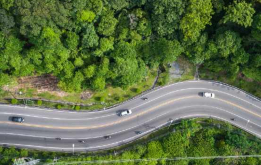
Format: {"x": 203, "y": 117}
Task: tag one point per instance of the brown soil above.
{"x": 43, "y": 83}
{"x": 241, "y": 75}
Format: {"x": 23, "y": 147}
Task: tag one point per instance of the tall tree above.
{"x": 107, "y": 23}
{"x": 240, "y": 13}
{"x": 166, "y": 15}
{"x": 197, "y": 16}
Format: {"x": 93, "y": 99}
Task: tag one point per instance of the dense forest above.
{"x": 190, "y": 138}
{"x": 89, "y": 44}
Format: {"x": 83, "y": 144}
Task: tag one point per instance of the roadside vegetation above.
{"x": 187, "y": 138}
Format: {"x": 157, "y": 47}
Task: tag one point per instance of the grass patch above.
{"x": 108, "y": 97}
{"x": 48, "y": 96}
{"x": 251, "y": 87}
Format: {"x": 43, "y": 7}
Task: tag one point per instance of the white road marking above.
{"x": 136, "y": 136}
{"x": 77, "y": 119}
{"x": 137, "y": 125}
{"x": 50, "y": 118}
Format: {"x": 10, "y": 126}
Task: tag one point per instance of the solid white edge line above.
{"x": 147, "y": 122}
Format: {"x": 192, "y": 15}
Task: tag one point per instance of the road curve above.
{"x": 172, "y": 102}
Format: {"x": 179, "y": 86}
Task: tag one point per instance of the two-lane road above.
{"x": 180, "y": 100}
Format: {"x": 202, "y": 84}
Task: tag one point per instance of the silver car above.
{"x": 208, "y": 94}
{"x": 125, "y": 112}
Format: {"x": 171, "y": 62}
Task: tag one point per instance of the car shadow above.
{"x": 201, "y": 94}
{"x": 10, "y": 118}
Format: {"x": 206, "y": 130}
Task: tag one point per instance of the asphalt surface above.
{"x": 42, "y": 127}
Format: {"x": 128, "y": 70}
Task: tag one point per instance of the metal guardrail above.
{"x": 231, "y": 86}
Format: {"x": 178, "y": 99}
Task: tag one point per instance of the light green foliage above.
{"x": 4, "y": 79}
{"x": 53, "y": 51}
{"x": 197, "y": 16}
{"x": 77, "y": 107}
{"x": 240, "y": 57}
{"x": 253, "y": 73}
{"x": 103, "y": 68}
{"x": 228, "y": 42}
{"x": 240, "y": 13}
{"x": 154, "y": 150}
{"x": 85, "y": 15}
{"x": 90, "y": 38}
{"x": 175, "y": 140}
{"x": 10, "y": 57}
{"x": 201, "y": 50}
{"x": 118, "y": 4}
{"x": 98, "y": 83}
{"x": 59, "y": 106}
{"x": 39, "y": 102}
{"x": 71, "y": 41}
{"x": 14, "y": 101}
{"x": 165, "y": 51}
{"x": 89, "y": 71}
{"x": 166, "y": 15}
{"x": 107, "y": 24}
{"x": 126, "y": 68}
{"x": 6, "y": 4}
{"x": 73, "y": 84}
{"x": 78, "y": 62}
{"x": 95, "y": 5}
{"x": 106, "y": 44}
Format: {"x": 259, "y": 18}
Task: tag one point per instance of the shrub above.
{"x": 77, "y": 107}
{"x": 58, "y": 106}
{"x": 14, "y": 101}
{"x": 39, "y": 102}
{"x": 102, "y": 99}
{"x": 138, "y": 90}
{"x": 118, "y": 98}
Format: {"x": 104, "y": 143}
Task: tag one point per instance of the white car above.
{"x": 208, "y": 94}
{"x": 125, "y": 112}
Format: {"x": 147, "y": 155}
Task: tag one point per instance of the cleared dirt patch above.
{"x": 43, "y": 83}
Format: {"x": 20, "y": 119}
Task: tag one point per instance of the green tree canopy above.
{"x": 166, "y": 15}
{"x": 197, "y": 16}
{"x": 240, "y": 13}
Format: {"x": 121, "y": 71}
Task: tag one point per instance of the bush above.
{"x": 58, "y": 106}
{"x": 102, "y": 99}
{"x": 14, "y": 101}
{"x": 138, "y": 90}
{"x": 118, "y": 98}
{"x": 77, "y": 107}
{"x": 39, "y": 102}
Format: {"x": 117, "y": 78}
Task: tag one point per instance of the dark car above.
{"x": 17, "y": 119}
{"x": 107, "y": 137}
{"x": 144, "y": 98}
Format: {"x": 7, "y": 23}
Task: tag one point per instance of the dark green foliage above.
{"x": 6, "y": 21}
{"x": 90, "y": 44}
{"x": 166, "y": 15}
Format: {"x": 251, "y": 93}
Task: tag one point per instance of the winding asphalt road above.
{"x": 169, "y": 103}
